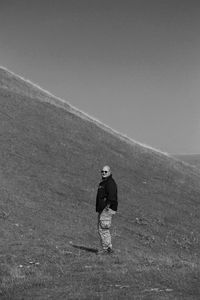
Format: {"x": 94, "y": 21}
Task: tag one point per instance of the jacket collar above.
{"x": 107, "y": 178}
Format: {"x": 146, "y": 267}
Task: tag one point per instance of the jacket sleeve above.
{"x": 111, "y": 190}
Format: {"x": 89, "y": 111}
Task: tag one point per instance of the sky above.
{"x": 132, "y": 64}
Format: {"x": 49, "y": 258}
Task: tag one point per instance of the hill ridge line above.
{"x": 186, "y": 154}
{"x": 85, "y": 115}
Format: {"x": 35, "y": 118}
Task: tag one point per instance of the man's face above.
{"x": 105, "y": 172}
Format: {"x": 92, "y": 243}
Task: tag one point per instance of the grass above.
{"x": 50, "y": 160}
{"x": 80, "y": 275}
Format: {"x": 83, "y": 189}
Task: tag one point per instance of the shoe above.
{"x": 110, "y": 250}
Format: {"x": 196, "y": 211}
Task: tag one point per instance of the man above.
{"x": 106, "y": 207}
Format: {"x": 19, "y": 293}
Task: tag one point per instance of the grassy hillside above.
{"x": 50, "y": 161}
{"x": 193, "y": 159}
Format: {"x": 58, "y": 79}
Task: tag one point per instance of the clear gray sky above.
{"x": 134, "y": 65}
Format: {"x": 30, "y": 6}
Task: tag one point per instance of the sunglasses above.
{"x": 104, "y": 171}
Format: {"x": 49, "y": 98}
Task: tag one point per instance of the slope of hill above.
{"x": 50, "y": 158}
{"x": 192, "y": 159}
{"x": 18, "y": 84}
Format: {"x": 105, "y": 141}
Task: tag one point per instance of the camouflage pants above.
{"x": 104, "y": 224}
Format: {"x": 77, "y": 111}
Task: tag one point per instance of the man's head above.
{"x": 105, "y": 172}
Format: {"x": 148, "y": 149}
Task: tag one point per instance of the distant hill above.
{"x": 50, "y": 160}
{"x": 193, "y": 159}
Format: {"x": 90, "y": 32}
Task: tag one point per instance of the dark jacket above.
{"x": 107, "y": 195}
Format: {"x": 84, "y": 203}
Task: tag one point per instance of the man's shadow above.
{"x": 88, "y": 249}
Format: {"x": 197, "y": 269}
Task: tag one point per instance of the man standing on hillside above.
{"x": 106, "y": 207}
